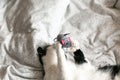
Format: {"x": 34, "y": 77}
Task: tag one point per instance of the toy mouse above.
{"x": 65, "y": 40}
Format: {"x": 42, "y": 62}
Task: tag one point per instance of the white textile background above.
{"x": 27, "y": 24}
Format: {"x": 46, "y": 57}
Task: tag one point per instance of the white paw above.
{"x": 58, "y": 45}
{"x": 75, "y": 45}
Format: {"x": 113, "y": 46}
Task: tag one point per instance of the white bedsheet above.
{"x": 27, "y": 24}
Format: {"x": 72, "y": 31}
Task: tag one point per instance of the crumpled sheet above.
{"x": 28, "y": 24}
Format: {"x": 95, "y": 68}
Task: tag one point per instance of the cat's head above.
{"x": 47, "y": 55}
{"x": 79, "y": 57}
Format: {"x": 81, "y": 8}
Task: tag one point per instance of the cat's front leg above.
{"x": 62, "y": 62}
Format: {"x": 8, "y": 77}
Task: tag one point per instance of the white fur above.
{"x": 57, "y": 67}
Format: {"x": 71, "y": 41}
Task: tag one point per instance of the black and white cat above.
{"x": 58, "y": 67}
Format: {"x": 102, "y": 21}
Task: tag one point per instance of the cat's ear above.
{"x": 41, "y": 51}
{"x": 79, "y": 57}
{"x": 78, "y": 53}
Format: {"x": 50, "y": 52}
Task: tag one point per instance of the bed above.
{"x": 27, "y": 24}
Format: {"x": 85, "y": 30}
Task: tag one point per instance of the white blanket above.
{"x": 28, "y": 24}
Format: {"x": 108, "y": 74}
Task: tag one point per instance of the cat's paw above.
{"x": 75, "y": 45}
{"x": 57, "y": 45}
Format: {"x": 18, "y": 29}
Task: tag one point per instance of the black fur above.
{"x": 114, "y": 69}
{"x": 41, "y": 53}
{"x": 79, "y": 57}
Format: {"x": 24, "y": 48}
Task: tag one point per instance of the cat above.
{"x": 58, "y": 67}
